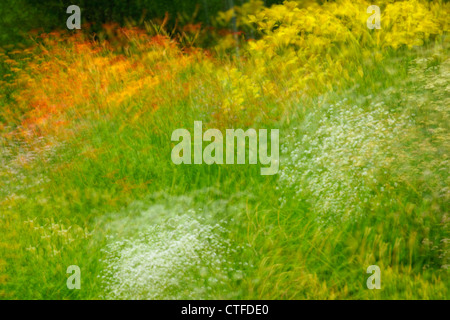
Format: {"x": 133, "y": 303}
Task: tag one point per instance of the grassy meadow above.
{"x": 86, "y": 176}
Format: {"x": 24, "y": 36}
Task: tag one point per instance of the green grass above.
{"x": 102, "y": 181}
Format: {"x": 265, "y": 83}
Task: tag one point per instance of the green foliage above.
{"x": 86, "y": 177}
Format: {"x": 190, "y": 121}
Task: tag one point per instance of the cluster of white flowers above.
{"x": 183, "y": 257}
{"x": 335, "y": 164}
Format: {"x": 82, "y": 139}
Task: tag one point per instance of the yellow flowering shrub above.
{"x": 408, "y": 23}
{"x": 304, "y": 48}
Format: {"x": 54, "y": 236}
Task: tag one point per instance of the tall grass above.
{"x": 86, "y": 177}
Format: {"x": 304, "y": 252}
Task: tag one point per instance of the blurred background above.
{"x": 17, "y": 17}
